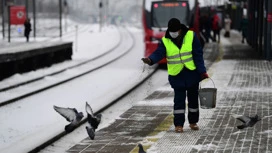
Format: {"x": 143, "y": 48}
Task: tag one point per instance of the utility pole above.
{"x": 269, "y": 28}
{"x": 3, "y": 18}
{"x": 26, "y": 5}
{"x": 100, "y": 15}
{"x": 107, "y": 11}
{"x": 60, "y": 16}
{"x": 34, "y": 18}
{"x": 9, "y": 23}
{"x": 65, "y": 4}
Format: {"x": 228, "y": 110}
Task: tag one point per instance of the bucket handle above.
{"x": 209, "y": 78}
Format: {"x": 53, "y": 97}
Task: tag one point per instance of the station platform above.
{"x": 19, "y": 56}
{"x": 243, "y": 82}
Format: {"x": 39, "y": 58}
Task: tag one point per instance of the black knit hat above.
{"x": 174, "y": 25}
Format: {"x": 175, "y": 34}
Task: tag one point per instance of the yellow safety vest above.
{"x": 178, "y": 58}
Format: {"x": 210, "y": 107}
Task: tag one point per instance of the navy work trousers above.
{"x": 180, "y": 106}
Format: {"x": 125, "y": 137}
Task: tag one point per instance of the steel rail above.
{"x": 89, "y": 61}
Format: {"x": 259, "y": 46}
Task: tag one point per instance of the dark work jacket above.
{"x": 27, "y": 28}
{"x": 186, "y": 78}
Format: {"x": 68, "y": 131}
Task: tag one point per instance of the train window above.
{"x": 162, "y": 11}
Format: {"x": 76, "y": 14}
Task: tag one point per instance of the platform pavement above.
{"x": 21, "y": 41}
{"x": 243, "y": 83}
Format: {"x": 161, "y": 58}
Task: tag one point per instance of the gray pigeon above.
{"x": 141, "y": 149}
{"x": 247, "y": 121}
{"x": 94, "y": 121}
{"x": 71, "y": 115}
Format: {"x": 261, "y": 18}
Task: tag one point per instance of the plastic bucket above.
{"x": 207, "y": 97}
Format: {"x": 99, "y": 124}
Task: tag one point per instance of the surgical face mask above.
{"x": 174, "y": 34}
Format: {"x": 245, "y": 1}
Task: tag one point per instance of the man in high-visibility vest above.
{"x": 185, "y": 64}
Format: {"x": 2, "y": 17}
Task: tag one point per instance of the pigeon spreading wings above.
{"x": 247, "y": 121}
{"x": 93, "y": 120}
{"x": 71, "y": 115}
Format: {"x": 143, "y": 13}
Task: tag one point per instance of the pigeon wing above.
{"x": 243, "y": 118}
{"x": 68, "y": 113}
{"x": 89, "y": 109}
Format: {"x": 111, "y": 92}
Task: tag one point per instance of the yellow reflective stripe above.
{"x": 180, "y": 111}
{"x": 193, "y": 110}
{"x": 179, "y": 55}
{"x": 180, "y": 61}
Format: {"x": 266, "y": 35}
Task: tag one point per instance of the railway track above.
{"x": 68, "y": 73}
{"x": 62, "y": 134}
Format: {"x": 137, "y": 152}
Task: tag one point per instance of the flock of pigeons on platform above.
{"x": 74, "y": 117}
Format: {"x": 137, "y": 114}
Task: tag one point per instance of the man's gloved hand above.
{"x": 146, "y": 61}
{"x": 204, "y": 76}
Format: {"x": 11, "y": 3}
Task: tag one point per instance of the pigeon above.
{"x": 141, "y": 149}
{"x": 94, "y": 121}
{"x": 71, "y": 115}
{"x": 248, "y": 121}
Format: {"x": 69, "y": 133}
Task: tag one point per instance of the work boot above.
{"x": 179, "y": 129}
{"x": 194, "y": 127}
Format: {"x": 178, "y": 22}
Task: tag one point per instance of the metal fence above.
{"x": 50, "y": 17}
